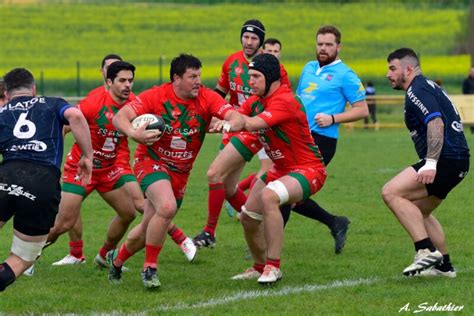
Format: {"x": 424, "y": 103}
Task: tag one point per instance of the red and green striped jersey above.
{"x": 99, "y": 109}
{"x": 287, "y": 140}
{"x": 235, "y": 77}
{"x": 186, "y": 123}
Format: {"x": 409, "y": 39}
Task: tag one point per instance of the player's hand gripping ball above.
{"x": 155, "y": 123}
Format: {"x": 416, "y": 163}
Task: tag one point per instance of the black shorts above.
{"x": 449, "y": 172}
{"x": 327, "y": 146}
{"x": 30, "y": 193}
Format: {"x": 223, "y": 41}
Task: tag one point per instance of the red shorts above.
{"x": 127, "y": 174}
{"x": 246, "y": 143}
{"x": 103, "y": 180}
{"x": 311, "y": 179}
{"x": 149, "y": 171}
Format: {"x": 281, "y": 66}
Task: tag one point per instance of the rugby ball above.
{"x": 156, "y": 122}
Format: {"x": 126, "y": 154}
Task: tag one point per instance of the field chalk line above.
{"x": 308, "y": 288}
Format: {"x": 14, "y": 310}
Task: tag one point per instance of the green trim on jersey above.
{"x": 120, "y": 183}
{"x": 154, "y": 177}
{"x": 305, "y": 185}
{"x": 128, "y": 178}
{"x": 282, "y": 135}
{"x": 242, "y": 149}
{"x": 75, "y": 189}
{"x": 151, "y": 178}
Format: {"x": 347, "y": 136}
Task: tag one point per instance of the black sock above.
{"x": 423, "y": 244}
{"x": 285, "y": 213}
{"x": 446, "y": 264}
{"x": 311, "y": 209}
{"x": 7, "y": 276}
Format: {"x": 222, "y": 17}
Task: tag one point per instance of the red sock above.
{"x": 176, "y": 234}
{"x": 122, "y": 256}
{"x": 75, "y": 249}
{"x": 253, "y": 182}
{"x": 105, "y": 248}
{"x": 245, "y": 183}
{"x": 151, "y": 256}
{"x": 273, "y": 262}
{"x": 238, "y": 200}
{"x": 215, "y": 201}
{"x": 259, "y": 267}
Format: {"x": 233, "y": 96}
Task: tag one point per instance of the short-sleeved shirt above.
{"x": 186, "y": 123}
{"x": 326, "y": 90}
{"x": 235, "y": 78}
{"x": 424, "y": 101}
{"x": 287, "y": 140}
{"x": 31, "y": 130}
{"x": 99, "y": 109}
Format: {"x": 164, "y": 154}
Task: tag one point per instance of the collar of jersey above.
{"x": 337, "y": 61}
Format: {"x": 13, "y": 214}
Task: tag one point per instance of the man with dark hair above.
{"x": 325, "y": 86}
{"x": 107, "y": 142}
{"x": 31, "y": 144}
{"x": 277, "y": 116}
{"x": 163, "y": 167}
{"x": 437, "y": 133}
{"x": 106, "y": 62}
{"x": 272, "y": 46}
{"x": 237, "y": 148}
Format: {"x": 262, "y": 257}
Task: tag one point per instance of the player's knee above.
{"x": 139, "y": 205}
{"x": 249, "y": 219}
{"x": 7, "y": 276}
{"x": 27, "y": 250}
{"x": 168, "y": 210}
{"x": 128, "y": 216}
{"x": 214, "y": 175}
{"x": 387, "y": 193}
{"x": 275, "y": 193}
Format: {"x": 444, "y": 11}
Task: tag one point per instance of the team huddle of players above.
{"x": 292, "y": 137}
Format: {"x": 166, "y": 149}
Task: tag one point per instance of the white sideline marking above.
{"x": 308, "y": 288}
{"x": 246, "y": 295}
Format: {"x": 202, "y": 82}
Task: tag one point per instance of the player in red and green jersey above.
{"x": 163, "y": 167}
{"x": 99, "y": 109}
{"x": 279, "y": 119}
{"x": 238, "y": 148}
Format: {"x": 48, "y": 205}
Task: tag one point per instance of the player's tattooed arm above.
{"x": 435, "y": 138}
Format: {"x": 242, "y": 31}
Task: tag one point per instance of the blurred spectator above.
{"x": 370, "y": 91}
{"x": 468, "y": 83}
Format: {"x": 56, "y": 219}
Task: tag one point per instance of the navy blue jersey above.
{"x": 424, "y": 101}
{"x": 31, "y": 130}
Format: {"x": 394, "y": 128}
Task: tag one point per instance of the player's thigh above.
{"x": 293, "y": 188}
{"x": 69, "y": 207}
{"x": 227, "y": 161}
{"x": 405, "y": 185}
{"x": 160, "y": 194}
{"x": 428, "y": 204}
{"x": 254, "y": 200}
{"x": 134, "y": 189}
{"x": 120, "y": 200}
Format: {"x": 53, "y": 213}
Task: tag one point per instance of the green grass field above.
{"x": 364, "y": 280}
{"x": 51, "y": 36}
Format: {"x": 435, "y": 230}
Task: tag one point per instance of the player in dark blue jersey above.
{"x": 437, "y": 132}
{"x": 31, "y": 144}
